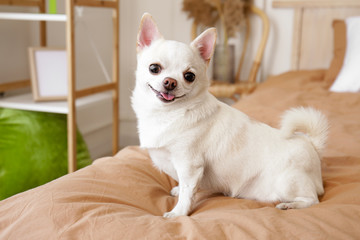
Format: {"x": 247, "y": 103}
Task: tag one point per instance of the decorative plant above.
{"x": 230, "y": 13}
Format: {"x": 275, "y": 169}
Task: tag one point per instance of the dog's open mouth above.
{"x": 164, "y": 96}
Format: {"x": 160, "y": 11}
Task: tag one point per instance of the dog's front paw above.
{"x": 175, "y": 191}
{"x": 284, "y": 206}
{"x": 171, "y": 214}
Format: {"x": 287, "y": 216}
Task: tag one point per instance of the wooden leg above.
{"x": 70, "y": 50}
{"x": 42, "y": 9}
{"x": 116, "y": 79}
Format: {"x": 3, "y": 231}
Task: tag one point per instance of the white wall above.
{"x": 15, "y": 37}
{"x": 277, "y": 57}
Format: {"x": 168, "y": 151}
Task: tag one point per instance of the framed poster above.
{"x": 48, "y": 68}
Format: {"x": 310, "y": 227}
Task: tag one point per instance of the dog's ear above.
{"x": 148, "y": 32}
{"x": 205, "y": 44}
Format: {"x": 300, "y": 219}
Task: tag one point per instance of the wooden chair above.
{"x": 231, "y": 90}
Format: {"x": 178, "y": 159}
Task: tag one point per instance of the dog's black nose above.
{"x": 169, "y": 84}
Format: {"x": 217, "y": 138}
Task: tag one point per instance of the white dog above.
{"x": 201, "y": 142}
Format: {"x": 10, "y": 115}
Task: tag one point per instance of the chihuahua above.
{"x": 203, "y": 143}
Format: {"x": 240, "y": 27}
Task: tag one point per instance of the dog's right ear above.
{"x": 205, "y": 44}
{"x": 148, "y": 32}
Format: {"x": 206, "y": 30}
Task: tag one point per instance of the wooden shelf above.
{"x": 33, "y": 16}
{"x": 77, "y": 99}
{"x": 26, "y": 102}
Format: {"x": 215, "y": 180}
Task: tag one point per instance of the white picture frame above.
{"x": 49, "y": 74}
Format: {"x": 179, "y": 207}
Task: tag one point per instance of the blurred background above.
{"x": 94, "y": 26}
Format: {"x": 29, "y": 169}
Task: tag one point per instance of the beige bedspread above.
{"x": 123, "y": 197}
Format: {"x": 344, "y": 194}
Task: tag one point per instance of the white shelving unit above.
{"x": 33, "y": 17}
{"x": 77, "y": 99}
{"x": 26, "y": 102}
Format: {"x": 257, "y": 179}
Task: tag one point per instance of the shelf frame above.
{"x": 73, "y": 94}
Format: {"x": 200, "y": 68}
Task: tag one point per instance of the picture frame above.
{"x": 49, "y": 74}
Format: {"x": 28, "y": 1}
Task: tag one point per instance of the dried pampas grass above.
{"x": 231, "y": 13}
{"x": 203, "y": 13}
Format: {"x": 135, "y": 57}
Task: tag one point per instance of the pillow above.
{"x": 348, "y": 79}
{"x": 33, "y": 149}
{"x": 339, "y": 28}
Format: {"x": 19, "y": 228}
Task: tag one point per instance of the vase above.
{"x": 223, "y": 63}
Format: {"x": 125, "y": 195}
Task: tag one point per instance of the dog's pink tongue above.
{"x": 167, "y": 96}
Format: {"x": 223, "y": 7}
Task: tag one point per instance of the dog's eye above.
{"x": 155, "y": 68}
{"x": 189, "y": 76}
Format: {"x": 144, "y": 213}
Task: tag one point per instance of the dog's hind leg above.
{"x": 297, "y": 192}
{"x": 299, "y": 202}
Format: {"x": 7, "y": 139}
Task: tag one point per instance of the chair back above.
{"x": 261, "y": 47}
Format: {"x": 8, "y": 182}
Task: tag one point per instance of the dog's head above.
{"x": 170, "y": 71}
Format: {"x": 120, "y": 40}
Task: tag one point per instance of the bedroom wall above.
{"x": 173, "y": 24}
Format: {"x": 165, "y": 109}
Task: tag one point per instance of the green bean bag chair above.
{"x": 33, "y": 149}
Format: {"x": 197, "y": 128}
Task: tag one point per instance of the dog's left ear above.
{"x": 205, "y": 44}
{"x": 148, "y": 32}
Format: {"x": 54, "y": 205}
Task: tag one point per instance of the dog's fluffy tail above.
{"x": 309, "y": 121}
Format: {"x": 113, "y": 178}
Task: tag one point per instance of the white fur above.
{"x": 201, "y": 142}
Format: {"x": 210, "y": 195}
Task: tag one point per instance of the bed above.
{"x": 124, "y": 196}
